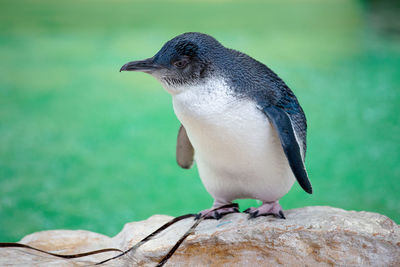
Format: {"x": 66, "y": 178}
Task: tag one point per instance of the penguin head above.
{"x": 186, "y": 60}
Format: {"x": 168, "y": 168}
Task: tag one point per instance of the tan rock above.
{"x": 310, "y": 236}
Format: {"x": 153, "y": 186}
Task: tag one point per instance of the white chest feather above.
{"x": 237, "y": 151}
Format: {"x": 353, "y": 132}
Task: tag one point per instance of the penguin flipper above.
{"x": 283, "y": 125}
{"x": 184, "y": 149}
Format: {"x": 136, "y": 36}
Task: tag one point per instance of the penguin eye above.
{"x": 180, "y": 64}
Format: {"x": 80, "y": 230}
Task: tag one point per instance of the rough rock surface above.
{"x": 310, "y": 236}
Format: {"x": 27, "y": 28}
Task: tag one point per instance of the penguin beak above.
{"x": 146, "y": 65}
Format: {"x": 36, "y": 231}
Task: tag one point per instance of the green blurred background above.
{"x": 83, "y": 146}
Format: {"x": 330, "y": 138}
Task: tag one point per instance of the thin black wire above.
{"x": 137, "y": 245}
{"x": 149, "y": 237}
{"x": 65, "y": 256}
{"x": 188, "y": 232}
{"x": 166, "y": 225}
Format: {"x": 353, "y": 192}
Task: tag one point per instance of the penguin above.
{"x": 240, "y": 122}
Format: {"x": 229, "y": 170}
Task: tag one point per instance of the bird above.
{"x": 240, "y": 123}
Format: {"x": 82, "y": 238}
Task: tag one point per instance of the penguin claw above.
{"x": 281, "y": 215}
{"x": 247, "y": 210}
{"x": 256, "y": 214}
{"x": 253, "y": 214}
{"x": 218, "y": 214}
{"x": 266, "y": 209}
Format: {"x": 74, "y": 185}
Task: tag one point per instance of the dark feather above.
{"x": 283, "y": 125}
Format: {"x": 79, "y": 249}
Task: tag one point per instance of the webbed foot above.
{"x": 266, "y": 209}
{"x": 217, "y": 214}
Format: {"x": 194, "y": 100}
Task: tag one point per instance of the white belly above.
{"x": 238, "y": 152}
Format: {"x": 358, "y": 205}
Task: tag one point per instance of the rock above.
{"x": 310, "y": 236}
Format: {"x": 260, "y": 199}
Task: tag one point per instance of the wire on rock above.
{"x": 65, "y": 256}
{"x": 137, "y": 245}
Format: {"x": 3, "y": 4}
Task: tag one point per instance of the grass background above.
{"x": 83, "y": 146}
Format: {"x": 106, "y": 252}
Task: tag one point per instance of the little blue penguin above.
{"x": 240, "y": 122}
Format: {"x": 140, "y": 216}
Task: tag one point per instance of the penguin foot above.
{"x": 217, "y": 214}
{"x": 266, "y": 209}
